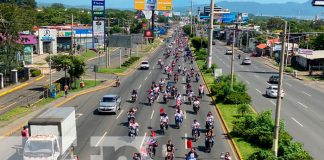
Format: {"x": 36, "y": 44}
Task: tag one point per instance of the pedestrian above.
{"x": 24, "y": 136}
{"x": 66, "y": 88}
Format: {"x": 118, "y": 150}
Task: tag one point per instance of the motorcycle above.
{"x": 132, "y": 132}
{"x": 195, "y": 134}
{"x": 197, "y": 79}
{"x": 130, "y": 116}
{"x": 188, "y": 80}
{"x": 190, "y": 100}
{"x": 117, "y": 83}
{"x": 209, "y": 143}
{"x": 178, "y": 121}
{"x": 134, "y": 97}
{"x": 163, "y": 128}
{"x": 201, "y": 92}
{"x": 210, "y": 125}
{"x": 195, "y": 108}
{"x": 151, "y": 150}
{"x": 150, "y": 100}
{"x": 165, "y": 99}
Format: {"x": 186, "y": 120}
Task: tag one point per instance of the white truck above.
{"x": 52, "y": 135}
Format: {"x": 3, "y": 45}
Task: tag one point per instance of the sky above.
{"x": 177, "y": 3}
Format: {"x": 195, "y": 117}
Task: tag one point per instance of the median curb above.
{"x": 99, "y": 87}
{"x": 21, "y": 86}
{"x": 219, "y": 113}
{"x": 136, "y": 65}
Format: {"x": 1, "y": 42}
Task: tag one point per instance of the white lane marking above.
{"x": 100, "y": 139}
{"x": 185, "y": 115}
{"x": 78, "y": 115}
{"x": 150, "y": 72}
{"x": 184, "y": 87}
{"x": 145, "y": 78}
{"x": 184, "y": 98}
{"x": 272, "y": 102}
{"x": 296, "y": 121}
{"x": 258, "y": 90}
{"x": 288, "y": 84}
{"x": 152, "y": 114}
{"x": 183, "y": 78}
{"x": 143, "y": 140}
{"x": 119, "y": 114}
{"x": 256, "y": 76}
{"x": 302, "y": 105}
{"x": 153, "y": 67}
{"x": 185, "y": 141}
{"x": 247, "y": 82}
{"x": 139, "y": 86}
{"x": 307, "y": 94}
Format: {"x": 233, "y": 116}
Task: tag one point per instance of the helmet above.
{"x": 209, "y": 113}
{"x": 195, "y": 121}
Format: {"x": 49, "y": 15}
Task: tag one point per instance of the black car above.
{"x": 274, "y": 78}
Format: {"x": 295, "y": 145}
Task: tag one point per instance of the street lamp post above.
{"x": 210, "y": 37}
{"x": 232, "y": 60}
{"x": 278, "y": 104}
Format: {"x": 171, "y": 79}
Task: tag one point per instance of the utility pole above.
{"x": 287, "y": 50}
{"x": 247, "y": 40}
{"x": 278, "y": 104}
{"x": 50, "y": 67}
{"x": 232, "y": 59}
{"x": 107, "y": 47}
{"x": 191, "y": 30}
{"x": 72, "y": 42}
{"x": 210, "y": 37}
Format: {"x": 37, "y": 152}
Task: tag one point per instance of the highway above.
{"x": 104, "y": 136}
{"x": 302, "y": 106}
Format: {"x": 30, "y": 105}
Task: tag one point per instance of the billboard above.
{"x": 149, "y": 5}
{"x": 120, "y": 41}
{"x": 229, "y": 18}
{"x": 98, "y": 23}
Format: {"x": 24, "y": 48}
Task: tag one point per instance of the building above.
{"x": 310, "y": 59}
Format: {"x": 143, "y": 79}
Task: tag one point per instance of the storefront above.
{"x": 29, "y": 42}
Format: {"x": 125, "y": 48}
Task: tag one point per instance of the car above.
{"x": 145, "y": 65}
{"x": 274, "y": 78}
{"x": 109, "y": 104}
{"x": 213, "y": 42}
{"x": 272, "y": 91}
{"x": 229, "y": 52}
{"x": 246, "y": 61}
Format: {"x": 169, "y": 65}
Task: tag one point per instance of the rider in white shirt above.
{"x": 164, "y": 119}
{"x": 195, "y": 125}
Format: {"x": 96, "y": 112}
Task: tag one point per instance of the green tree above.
{"x": 187, "y": 30}
{"x": 198, "y": 42}
{"x": 13, "y": 19}
{"x": 22, "y": 3}
{"x": 74, "y": 65}
{"x": 116, "y": 29}
{"x": 162, "y": 19}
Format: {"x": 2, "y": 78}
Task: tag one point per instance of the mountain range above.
{"x": 290, "y": 9}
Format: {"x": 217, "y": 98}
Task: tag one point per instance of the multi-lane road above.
{"x": 302, "y": 106}
{"x": 102, "y": 136}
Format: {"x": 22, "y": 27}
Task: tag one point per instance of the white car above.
{"x": 109, "y": 104}
{"x": 229, "y": 52}
{"x": 272, "y": 91}
{"x": 246, "y": 61}
{"x": 145, "y": 65}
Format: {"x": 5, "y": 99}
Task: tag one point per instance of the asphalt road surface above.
{"x": 302, "y": 106}
{"x": 105, "y": 136}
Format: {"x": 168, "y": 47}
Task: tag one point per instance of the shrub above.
{"x": 262, "y": 155}
{"x": 201, "y": 54}
{"x": 289, "y": 70}
{"x": 237, "y": 98}
{"x": 130, "y": 61}
{"x": 35, "y": 72}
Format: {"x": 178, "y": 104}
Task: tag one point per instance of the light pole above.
{"x": 191, "y": 17}
{"x": 210, "y": 37}
{"x": 287, "y": 50}
{"x": 232, "y": 60}
{"x": 278, "y": 104}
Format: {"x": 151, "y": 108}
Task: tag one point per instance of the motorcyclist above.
{"x": 134, "y": 93}
{"x": 137, "y": 156}
{"x": 192, "y": 155}
{"x": 209, "y": 135}
{"x": 196, "y": 102}
{"x": 176, "y": 77}
{"x": 197, "y": 76}
{"x": 152, "y": 142}
{"x": 195, "y": 126}
{"x": 188, "y": 88}
{"x": 164, "y": 120}
{"x": 117, "y": 81}
{"x": 134, "y": 125}
{"x": 201, "y": 89}
{"x": 179, "y": 69}
{"x": 178, "y": 116}
{"x": 131, "y": 113}
{"x": 190, "y": 96}
{"x": 209, "y": 118}
{"x": 170, "y": 150}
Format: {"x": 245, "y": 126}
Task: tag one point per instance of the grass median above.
{"x": 229, "y": 113}
{"x": 23, "y": 110}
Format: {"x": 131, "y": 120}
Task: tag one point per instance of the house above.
{"x": 310, "y": 59}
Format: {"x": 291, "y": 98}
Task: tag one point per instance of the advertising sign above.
{"x": 305, "y": 51}
{"x": 229, "y": 17}
{"x": 47, "y": 35}
{"x": 164, "y": 5}
{"x": 98, "y": 23}
{"x": 149, "y": 5}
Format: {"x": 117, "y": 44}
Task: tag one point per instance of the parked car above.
{"x": 274, "y": 78}
{"x": 246, "y": 61}
{"x": 145, "y": 65}
{"x": 109, "y": 104}
{"x": 272, "y": 91}
{"x": 229, "y": 52}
